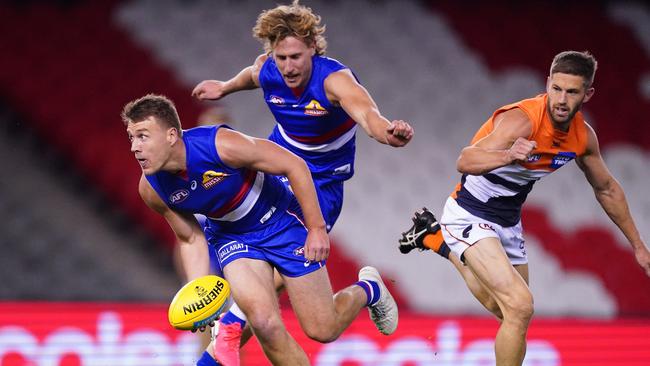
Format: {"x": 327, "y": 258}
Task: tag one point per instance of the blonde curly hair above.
{"x": 293, "y": 20}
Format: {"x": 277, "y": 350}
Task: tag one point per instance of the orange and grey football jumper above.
{"x": 489, "y": 205}
{"x": 497, "y": 196}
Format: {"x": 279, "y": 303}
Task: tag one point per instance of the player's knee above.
{"x": 521, "y": 308}
{"x": 322, "y": 328}
{"x": 321, "y": 334}
{"x": 266, "y": 326}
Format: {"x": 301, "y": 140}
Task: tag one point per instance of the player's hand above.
{"x": 317, "y": 245}
{"x": 521, "y": 149}
{"x": 398, "y": 133}
{"x": 642, "y": 256}
{"x": 209, "y": 89}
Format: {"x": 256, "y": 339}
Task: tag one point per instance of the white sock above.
{"x": 236, "y": 311}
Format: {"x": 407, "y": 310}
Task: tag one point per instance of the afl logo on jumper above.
{"x": 315, "y": 109}
{"x": 533, "y": 158}
{"x": 212, "y": 178}
{"x": 274, "y": 99}
{"x": 179, "y": 196}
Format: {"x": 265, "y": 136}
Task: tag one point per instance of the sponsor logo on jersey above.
{"x": 193, "y": 185}
{"x": 561, "y": 159}
{"x": 230, "y": 249}
{"x": 179, "y": 196}
{"x": 315, "y": 109}
{"x": 212, "y": 178}
{"x": 274, "y": 99}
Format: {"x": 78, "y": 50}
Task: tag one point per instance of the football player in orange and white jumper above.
{"x": 481, "y": 222}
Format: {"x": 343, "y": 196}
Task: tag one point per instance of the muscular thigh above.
{"x": 311, "y": 296}
{"x": 490, "y": 264}
{"x": 522, "y": 269}
{"x": 251, "y": 283}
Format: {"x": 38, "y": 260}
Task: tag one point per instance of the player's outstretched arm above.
{"x": 246, "y": 79}
{"x": 507, "y": 143}
{"x": 238, "y": 150}
{"x": 343, "y": 89}
{"x": 193, "y": 246}
{"x": 611, "y": 197}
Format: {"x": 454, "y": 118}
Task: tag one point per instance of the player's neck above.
{"x": 297, "y": 91}
{"x": 561, "y": 126}
{"x": 177, "y": 161}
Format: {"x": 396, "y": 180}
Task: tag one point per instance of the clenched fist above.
{"x": 521, "y": 149}
{"x": 398, "y": 133}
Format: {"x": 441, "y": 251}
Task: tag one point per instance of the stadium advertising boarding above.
{"x": 90, "y": 334}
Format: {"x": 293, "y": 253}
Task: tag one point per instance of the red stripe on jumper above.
{"x": 331, "y": 135}
{"x": 249, "y": 179}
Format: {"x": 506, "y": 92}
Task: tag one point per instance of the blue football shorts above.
{"x": 281, "y": 244}
{"x": 330, "y": 197}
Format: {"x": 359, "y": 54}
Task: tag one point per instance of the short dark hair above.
{"x": 152, "y": 105}
{"x": 576, "y": 63}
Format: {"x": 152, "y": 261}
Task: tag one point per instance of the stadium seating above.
{"x": 57, "y": 245}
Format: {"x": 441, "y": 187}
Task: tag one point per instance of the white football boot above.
{"x": 384, "y": 312}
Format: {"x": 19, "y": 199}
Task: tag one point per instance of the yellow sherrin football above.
{"x": 199, "y": 302}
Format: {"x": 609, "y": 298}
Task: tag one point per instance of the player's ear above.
{"x": 588, "y": 94}
{"x": 172, "y": 135}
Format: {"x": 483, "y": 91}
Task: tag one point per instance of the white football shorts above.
{"x": 461, "y": 230}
